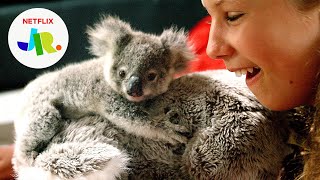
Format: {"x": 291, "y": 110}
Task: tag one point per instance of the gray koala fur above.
{"x": 80, "y": 123}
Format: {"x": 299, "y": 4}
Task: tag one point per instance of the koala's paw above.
{"x": 176, "y": 132}
{"x": 175, "y": 139}
{"x": 179, "y": 133}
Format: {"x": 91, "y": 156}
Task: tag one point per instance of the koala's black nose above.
{"x": 134, "y": 87}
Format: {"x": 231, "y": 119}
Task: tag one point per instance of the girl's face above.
{"x": 273, "y": 43}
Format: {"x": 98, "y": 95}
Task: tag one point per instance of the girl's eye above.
{"x": 234, "y": 16}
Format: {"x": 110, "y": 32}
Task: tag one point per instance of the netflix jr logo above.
{"x": 38, "y": 38}
{"x": 39, "y": 41}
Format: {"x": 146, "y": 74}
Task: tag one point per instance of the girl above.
{"x": 276, "y": 44}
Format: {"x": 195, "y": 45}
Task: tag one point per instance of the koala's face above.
{"x": 140, "y": 69}
{"x": 138, "y": 65}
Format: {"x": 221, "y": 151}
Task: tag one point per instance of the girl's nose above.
{"x": 218, "y": 47}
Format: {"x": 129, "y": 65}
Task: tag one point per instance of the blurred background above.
{"x": 146, "y": 15}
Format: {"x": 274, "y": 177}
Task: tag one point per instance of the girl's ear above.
{"x": 106, "y": 35}
{"x": 177, "y": 43}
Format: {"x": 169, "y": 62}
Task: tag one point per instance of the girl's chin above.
{"x": 276, "y": 103}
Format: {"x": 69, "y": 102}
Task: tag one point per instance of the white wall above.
{"x": 8, "y": 112}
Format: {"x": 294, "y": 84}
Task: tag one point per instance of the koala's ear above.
{"x": 106, "y": 35}
{"x": 177, "y": 42}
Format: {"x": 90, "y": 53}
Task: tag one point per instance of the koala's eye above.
{"x": 152, "y": 76}
{"x": 122, "y": 73}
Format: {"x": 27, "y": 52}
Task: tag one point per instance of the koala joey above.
{"x": 138, "y": 66}
{"x": 130, "y": 67}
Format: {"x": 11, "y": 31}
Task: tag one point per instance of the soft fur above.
{"x": 80, "y": 122}
{"x": 228, "y": 134}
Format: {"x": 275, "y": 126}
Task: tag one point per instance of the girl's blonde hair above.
{"x": 306, "y": 4}
{"x": 311, "y": 169}
{"x": 312, "y": 157}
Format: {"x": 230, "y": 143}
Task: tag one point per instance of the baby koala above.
{"x": 138, "y": 66}
{"x": 130, "y": 67}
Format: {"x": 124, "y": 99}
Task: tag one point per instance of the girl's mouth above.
{"x": 249, "y": 72}
{"x": 252, "y": 74}
{"x": 253, "y": 77}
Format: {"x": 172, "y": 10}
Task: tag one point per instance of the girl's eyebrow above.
{"x": 219, "y": 2}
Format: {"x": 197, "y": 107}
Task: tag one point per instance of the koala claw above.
{"x": 176, "y": 127}
{"x": 175, "y": 139}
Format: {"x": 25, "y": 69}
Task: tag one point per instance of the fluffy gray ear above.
{"x": 177, "y": 42}
{"x": 106, "y": 35}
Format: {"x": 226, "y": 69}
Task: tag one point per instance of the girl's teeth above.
{"x": 238, "y": 73}
{"x": 241, "y": 72}
{"x": 250, "y": 70}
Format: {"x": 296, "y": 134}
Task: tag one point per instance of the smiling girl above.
{"x": 276, "y": 44}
